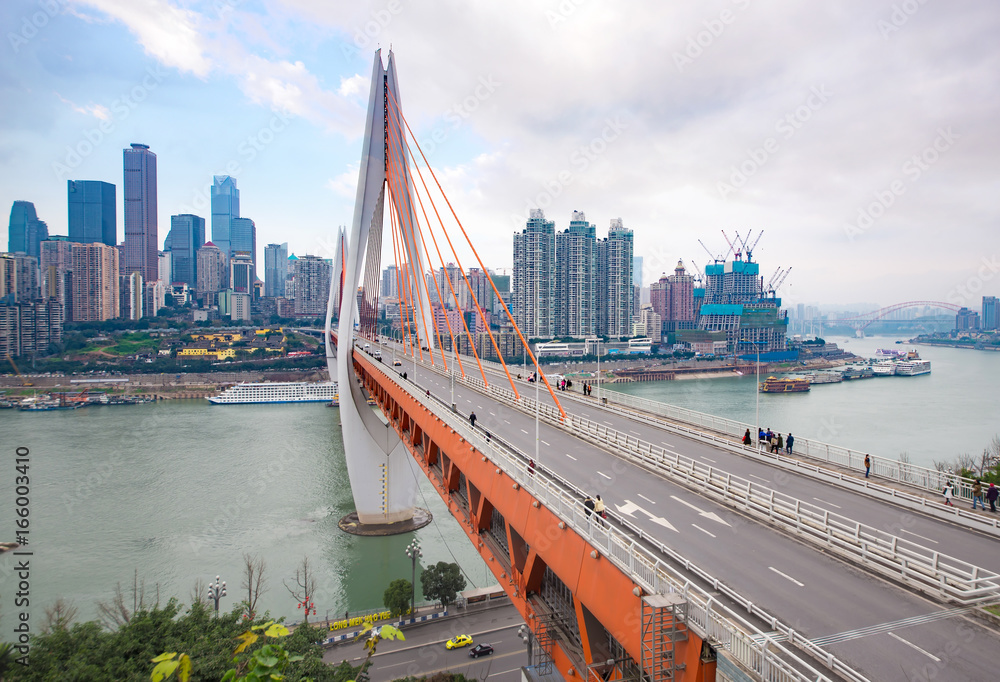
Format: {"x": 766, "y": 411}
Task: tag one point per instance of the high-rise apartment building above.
{"x": 390, "y": 283}
{"x": 57, "y": 274}
{"x": 672, "y": 298}
{"x": 18, "y": 278}
{"x": 131, "y": 296}
{"x": 966, "y": 320}
{"x": 95, "y": 282}
{"x": 141, "y": 236}
{"x": 533, "y": 292}
{"x": 29, "y": 329}
{"x": 241, "y": 277}
{"x": 165, "y": 269}
{"x": 211, "y": 273}
{"x": 92, "y": 213}
{"x": 576, "y": 275}
{"x": 312, "y": 286}
{"x": 614, "y": 277}
{"x": 275, "y": 269}
{"x": 479, "y": 282}
{"x": 225, "y": 207}
{"x": 186, "y": 236}
{"x": 990, "y": 319}
{"x": 25, "y": 231}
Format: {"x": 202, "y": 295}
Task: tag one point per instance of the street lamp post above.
{"x": 538, "y": 380}
{"x": 413, "y": 551}
{"x": 598, "y": 370}
{"x": 216, "y": 592}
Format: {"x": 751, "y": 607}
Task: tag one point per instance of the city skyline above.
{"x": 874, "y": 153}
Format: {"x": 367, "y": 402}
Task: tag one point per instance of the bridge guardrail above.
{"x": 914, "y": 475}
{"x": 928, "y": 571}
{"x": 752, "y": 647}
{"x": 920, "y": 477}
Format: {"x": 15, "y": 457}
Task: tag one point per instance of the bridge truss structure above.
{"x": 862, "y": 322}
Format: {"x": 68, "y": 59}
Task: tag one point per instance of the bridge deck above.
{"x": 877, "y": 627}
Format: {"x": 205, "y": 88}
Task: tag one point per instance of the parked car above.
{"x": 458, "y": 641}
{"x": 397, "y": 363}
{"x": 480, "y": 650}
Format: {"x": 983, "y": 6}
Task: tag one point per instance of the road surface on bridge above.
{"x": 883, "y": 630}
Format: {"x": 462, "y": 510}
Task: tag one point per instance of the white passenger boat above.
{"x": 912, "y": 368}
{"x": 277, "y": 392}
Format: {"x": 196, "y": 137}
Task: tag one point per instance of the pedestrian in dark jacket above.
{"x": 977, "y": 495}
{"x": 788, "y": 443}
{"x": 588, "y": 505}
{"x": 472, "y": 419}
{"x": 781, "y": 443}
{"x": 991, "y": 494}
{"x": 868, "y": 465}
{"x": 746, "y": 437}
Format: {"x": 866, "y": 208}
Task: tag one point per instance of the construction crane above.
{"x": 24, "y": 380}
{"x": 750, "y": 249}
{"x": 781, "y": 280}
{"x": 717, "y": 259}
{"x": 732, "y": 249}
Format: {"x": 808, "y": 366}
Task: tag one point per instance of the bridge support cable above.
{"x": 510, "y": 317}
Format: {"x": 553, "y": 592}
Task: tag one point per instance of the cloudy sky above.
{"x": 860, "y": 135}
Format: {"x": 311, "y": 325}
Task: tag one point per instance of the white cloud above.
{"x": 345, "y": 184}
{"x": 356, "y": 84}
{"x": 98, "y": 111}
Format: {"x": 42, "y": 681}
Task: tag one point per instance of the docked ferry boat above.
{"x": 277, "y": 392}
{"x": 912, "y": 368}
{"x": 776, "y": 385}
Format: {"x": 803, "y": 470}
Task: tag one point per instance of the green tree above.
{"x": 442, "y": 582}
{"x": 397, "y": 596}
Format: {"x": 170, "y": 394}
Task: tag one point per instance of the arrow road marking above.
{"x": 708, "y": 515}
{"x": 630, "y": 508}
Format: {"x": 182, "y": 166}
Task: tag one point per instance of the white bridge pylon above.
{"x": 381, "y": 470}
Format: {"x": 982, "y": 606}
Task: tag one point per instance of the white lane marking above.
{"x": 645, "y": 498}
{"x": 524, "y": 432}
{"x": 635, "y": 432}
{"x": 669, "y": 445}
{"x": 911, "y": 644}
{"x": 609, "y": 423}
{"x": 708, "y": 515}
{"x": 707, "y": 459}
{"x": 585, "y": 414}
{"x": 703, "y": 530}
{"x": 493, "y": 414}
{"x": 544, "y": 443}
{"x": 829, "y": 503}
{"x": 604, "y": 475}
{"x": 922, "y": 537}
{"x": 571, "y": 456}
{"x": 759, "y": 478}
{"x": 786, "y": 576}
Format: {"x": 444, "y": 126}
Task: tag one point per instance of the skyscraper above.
{"x": 141, "y": 236}
{"x": 275, "y": 269}
{"x": 615, "y": 292}
{"x": 211, "y": 273}
{"x": 18, "y": 278}
{"x": 95, "y": 282}
{"x": 57, "y": 274}
{"x": 25, "y": 231}
{"x": 92, "y": 214}
{"x": 533, "y": 291}
{"x": 225, "y": 207}
{"x": 576, "y": 274}
{"x": 312, "y": 286}
{"x": 241, "y": 274}
{"x": 187, "y": 234}
{"x": 243, "y": 240}
{"x": 991, "y": 313}
{"x": 390, "y": 283}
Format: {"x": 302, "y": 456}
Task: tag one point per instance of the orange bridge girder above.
{"x": 604, "y": 598}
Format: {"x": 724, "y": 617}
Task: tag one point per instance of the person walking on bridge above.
{"x": 600, "y": 509}
{"x": 588, "y": 506}
{"x": 977, "y": 495}
{"x": 781, "y": 444}
{"x": 948, "y": 494}
{"x": 868, "y": 465}
{"x": 992, "y": 495}
{"x": 788, "y": 443}
{"x": 746, "y": 437}
{"x": 472, "y": 419}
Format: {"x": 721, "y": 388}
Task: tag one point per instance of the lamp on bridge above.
{"x": 413, "y": 551}
{"x": 756, "y": 345}
{"x": 217, "y": 592}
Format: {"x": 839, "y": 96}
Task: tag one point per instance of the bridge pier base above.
{"x": 351, "y": 524}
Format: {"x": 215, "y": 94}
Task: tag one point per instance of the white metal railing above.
{"x": 714, "y": 620}
{"x": 921, "y": 478}
{"x": 931, "y": 572}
